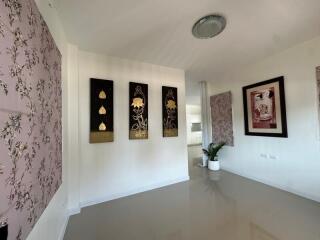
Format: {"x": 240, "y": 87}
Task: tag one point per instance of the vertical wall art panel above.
{"x": 30, "y": 116}
{"x": 101, "y": 111}
{"x": 138, "y": 111}
{"x": 170, "y": 111}
{"x": 318, "y": 93}
{"x": 221, "y": 114}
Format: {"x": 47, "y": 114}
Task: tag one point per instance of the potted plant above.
{"x": 212, "y": 153}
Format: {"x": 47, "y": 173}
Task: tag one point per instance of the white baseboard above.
{"x": 275, "y": 185}
{"x": 133, "y": 191}
{"x": 64, "y": 227}
{"x": 74, "y": 211}
{"x": 70, "y": 212}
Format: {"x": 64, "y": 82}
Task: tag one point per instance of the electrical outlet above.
{"x": 273, "y": 157}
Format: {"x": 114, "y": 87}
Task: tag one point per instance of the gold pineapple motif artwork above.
{"x": 102, "y": 95}
{"x": 102, "y": 110}
{"x": 102, "y": 127}
{"x": 171, "y": 105}
{"x": 137, "y": 103}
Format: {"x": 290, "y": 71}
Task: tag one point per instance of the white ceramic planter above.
{"x": 214, "y": 165}
{"x": 204, "y": 161}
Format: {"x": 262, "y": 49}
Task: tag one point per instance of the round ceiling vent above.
{"x": 209, "y": 26}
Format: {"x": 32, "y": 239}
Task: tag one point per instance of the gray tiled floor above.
{"x": 215, "y": 206}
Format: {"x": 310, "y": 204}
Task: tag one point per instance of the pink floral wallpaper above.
{"x": 30, "y": 116}
{"x": 221, "y": 115}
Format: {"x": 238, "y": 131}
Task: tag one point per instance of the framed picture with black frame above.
{"x": 101, "y": 111}
{"x": 265, "y": 109}
{"x": 138, "y": 110}
{"x": 170, "y": 111}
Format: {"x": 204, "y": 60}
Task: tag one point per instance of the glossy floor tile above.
{"x": 212, "y": 206}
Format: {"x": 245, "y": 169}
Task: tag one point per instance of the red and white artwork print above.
{"x": 263, "y": 109}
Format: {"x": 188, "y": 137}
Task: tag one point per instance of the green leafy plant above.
{"x": 212, "y": 151}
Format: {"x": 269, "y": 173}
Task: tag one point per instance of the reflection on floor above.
{"x": 195, "y": 158}
{"x": 220, "y": 206}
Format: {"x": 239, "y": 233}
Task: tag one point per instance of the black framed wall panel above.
{"x": 101, "y": 111}
{"x": 138, "y": 110}
{"x": 170, "y": 111}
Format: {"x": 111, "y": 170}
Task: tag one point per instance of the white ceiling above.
{"x": 159, "y": 31}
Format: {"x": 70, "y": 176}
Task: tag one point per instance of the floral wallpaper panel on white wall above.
{"x": 221, "y": 116}
{"x": 30, "y": 116}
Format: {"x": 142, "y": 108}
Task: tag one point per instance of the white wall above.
{"x": 111, "y": 170}
{"x": 53, "y": 221}
{"x": 296, "y": 168}
{"x": 73, "y": 130}
{"x": 193, "y": 116}
{"x": 100, "y": 172}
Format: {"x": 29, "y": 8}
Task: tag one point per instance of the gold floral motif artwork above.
{"x": 171, "y": 104}
{"x": 102, "y": 110}
{"x": 138, "y": 134}
{"x": 170, "y": 111}
{"x": 138, "y": 123}
{"x": 102, "y": 95}
{"x": 102, "y": 127}
{"x": 137, "y": 103}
